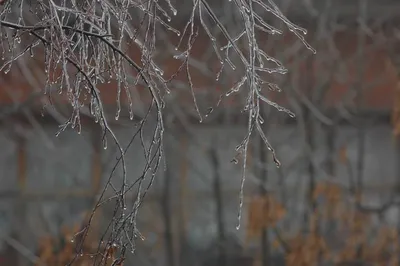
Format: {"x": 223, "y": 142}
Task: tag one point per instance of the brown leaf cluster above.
{"x": 353, "y": 239}
{"x": 264, "y": 212}
{"x": 60, "y": 251}
{"x": 306, "y": 250}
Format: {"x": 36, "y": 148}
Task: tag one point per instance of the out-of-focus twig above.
{"x": 23, "y": 251}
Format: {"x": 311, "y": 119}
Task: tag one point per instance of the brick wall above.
{"x": 378, "y": 78}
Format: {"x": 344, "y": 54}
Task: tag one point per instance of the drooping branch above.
{"x": 94, "y": 37}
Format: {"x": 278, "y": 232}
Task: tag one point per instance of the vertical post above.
{"x": 393, "y": 63}
{"x": 310, "y": 127}
{"x": 20, "y": 211}
{"x": 330, "y": 143}
{"x": 166, "y": 211}
{"x": 310, "y": 141}
{"x": 182, "y": 222}
{"x": 219, "y": 206}
{"x": 96, "y": 162}
{"x": 94, "y": 224}
{"x": 96, "y": 174}
{"x": 396, "y": 122}
{"x": 22, "y": 164}
{"x": 265, "y": 252}
{"x": 359, "y": 89}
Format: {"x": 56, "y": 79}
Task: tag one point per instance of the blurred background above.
{"x": 335, "y": 200}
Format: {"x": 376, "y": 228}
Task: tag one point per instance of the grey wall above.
{"x": 65, "y": 163}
